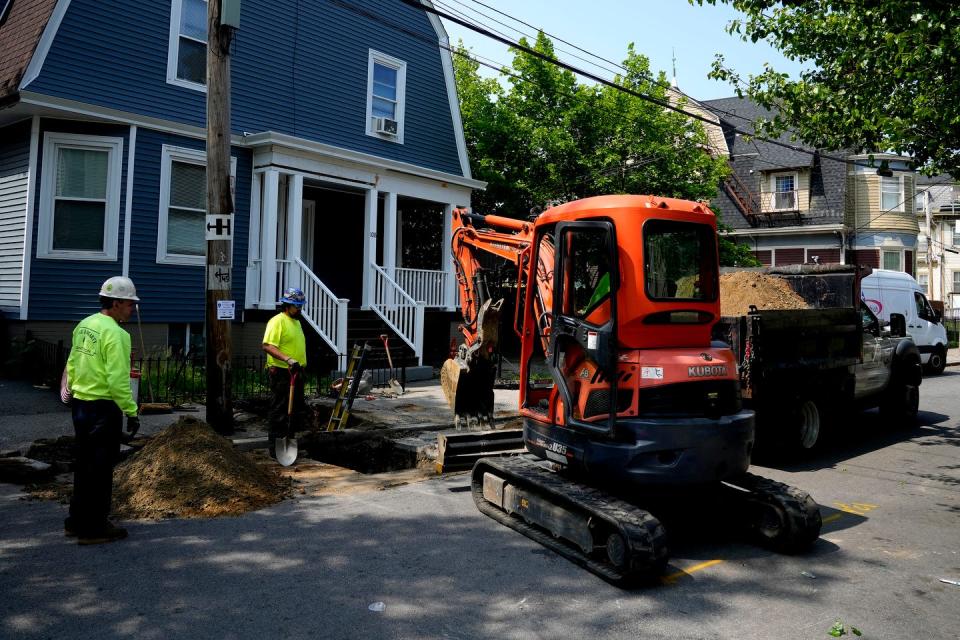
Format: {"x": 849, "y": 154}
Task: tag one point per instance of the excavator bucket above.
{"x": 467, "y": 380}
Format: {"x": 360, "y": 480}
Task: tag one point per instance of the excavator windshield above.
{"x": 680, "y": 261}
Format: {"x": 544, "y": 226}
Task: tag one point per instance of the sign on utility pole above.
{"x": 222, "y": 19}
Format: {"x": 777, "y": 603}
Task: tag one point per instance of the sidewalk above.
{"x": 953, "y": 357}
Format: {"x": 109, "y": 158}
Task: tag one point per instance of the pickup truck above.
{"x": 800, "y": 367}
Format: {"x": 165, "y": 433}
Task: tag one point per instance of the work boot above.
{"x": 69, "y": 528}
{"x": 109, "y": 532}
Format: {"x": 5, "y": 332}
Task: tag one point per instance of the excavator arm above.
{"x": 467, "y": 379}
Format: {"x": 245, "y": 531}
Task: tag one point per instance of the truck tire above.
{"x": 938, "y": 360}
{"x": 901, "y": 405}
{"x": 808, "y": 422}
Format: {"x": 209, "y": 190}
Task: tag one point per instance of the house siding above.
{"x": 50, "y": 299}
{"x": 289, "y": 73}
{"x": 172, "y": 292}
{"x": 14, "y": 181}
{"x": 788, "y": 256}
{"x": 169, "y": 293}
{"x": 865, "y": 212}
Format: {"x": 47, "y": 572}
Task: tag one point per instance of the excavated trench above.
{"x": 364, "y": 445}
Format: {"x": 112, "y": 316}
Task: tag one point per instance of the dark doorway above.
{"x": 338, "y": 240}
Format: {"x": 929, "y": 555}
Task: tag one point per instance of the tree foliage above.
{"x": 884, "y": 74}
{"x": 541, "y": 136}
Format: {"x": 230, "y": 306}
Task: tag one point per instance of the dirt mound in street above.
{"x": 188, "y": 471}
{"x": 741, "y": 289}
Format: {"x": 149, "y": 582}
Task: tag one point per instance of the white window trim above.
{"x": 52, "y": 141}
{"x": 774, "y": 192}
{"x": 900, "y": 196}
{"x": 173, "y": 50}
{"x": 168, "y": 154}
{"x": 401, "y": 67}
{"x": 899, "y": 252}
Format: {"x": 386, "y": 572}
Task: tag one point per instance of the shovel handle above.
{"x": 386, "y": 347}
{"x": 293, "y": 383}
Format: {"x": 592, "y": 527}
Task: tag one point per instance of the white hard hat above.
{"x": 119, "y": 288}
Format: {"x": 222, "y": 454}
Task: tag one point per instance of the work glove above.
{"x": 295, "y": 366}
{"x": 133, "y": 425}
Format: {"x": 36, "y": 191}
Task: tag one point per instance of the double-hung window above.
{"x": 956, "y": 282}
{"x": 386, "y": 90}
{"x": 891, "y": 193}
{"x": 187, "y": 52}
{"x": 893, "y": 260}
{"x": 956, "y": 233}
{"x": 181, "y": 237}
{"x": 79, "y": 197}
{"x": 784, "y": 191}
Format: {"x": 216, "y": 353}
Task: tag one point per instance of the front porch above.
{"x": 351, "y": 239}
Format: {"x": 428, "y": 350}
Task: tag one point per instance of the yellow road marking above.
{"x": 673, "y": 577}
{"x": 835, "y": 516}
{"x": 856, "y": 508}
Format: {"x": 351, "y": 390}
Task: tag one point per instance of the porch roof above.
{"x": 272, "y": 138}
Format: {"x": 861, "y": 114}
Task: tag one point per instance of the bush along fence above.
{"x": 180, "y": 379}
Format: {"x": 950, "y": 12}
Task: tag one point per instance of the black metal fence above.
{"x": 179, "y": 379}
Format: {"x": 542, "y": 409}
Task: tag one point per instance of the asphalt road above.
{"x": 312, "y": 567}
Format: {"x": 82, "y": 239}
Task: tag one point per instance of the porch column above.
{"x": 369, "y": 245}
{"x": 268, "y": 239}
{"x": 446, "y": 261}
{"x": 294, "y": 226}
{"x": 254, "y": 269}
{"x": 390, "y": 235}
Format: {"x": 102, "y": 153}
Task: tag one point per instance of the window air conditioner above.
{"x": 386, "y": 126}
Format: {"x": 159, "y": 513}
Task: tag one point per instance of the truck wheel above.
{"x": 902, "y": 405}
{"x": 938, "y": 361}
{"x": 808, "y": 424}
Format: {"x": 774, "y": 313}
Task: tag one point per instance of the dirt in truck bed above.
{"x": 741, "y": 289}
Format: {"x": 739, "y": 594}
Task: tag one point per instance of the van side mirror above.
{"x": 898, "y": 325}
{"x": 937, "y": 317}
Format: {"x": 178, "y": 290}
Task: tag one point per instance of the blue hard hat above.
{"x": 294, "y": 296}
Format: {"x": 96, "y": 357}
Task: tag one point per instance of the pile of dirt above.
{"x": 188, "y": 471}
{"x": 740, "y": 289}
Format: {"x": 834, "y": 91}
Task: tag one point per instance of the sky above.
{"x": 659, "y": 29}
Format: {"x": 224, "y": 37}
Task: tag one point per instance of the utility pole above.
{"x": 926, "y": 213}
{"x": 222, "y": 18}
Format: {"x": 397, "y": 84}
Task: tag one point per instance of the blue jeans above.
{"x": 98, "y": 425}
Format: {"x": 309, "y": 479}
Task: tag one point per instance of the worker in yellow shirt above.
{"x": 99, "y": 373}
{"x": 286, "y": 349}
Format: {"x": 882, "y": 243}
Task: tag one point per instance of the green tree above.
{"x": 541, "y": 136}
{"x": 883, "y": 74}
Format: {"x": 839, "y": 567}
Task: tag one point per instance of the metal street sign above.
{"x": 219, "y": 227}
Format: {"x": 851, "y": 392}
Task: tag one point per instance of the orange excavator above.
{"x": 625, "y": 400}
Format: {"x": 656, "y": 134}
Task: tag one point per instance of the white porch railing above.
{"x": 325, "y": 312}
{"x": 400, "y": 311}
{"x": 423, "y": 284}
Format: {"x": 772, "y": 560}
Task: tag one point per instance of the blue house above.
{"x": 348, "y": 158}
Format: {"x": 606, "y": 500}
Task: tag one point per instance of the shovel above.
{"x": 395, "y": 386}
{"x": 287, "y": 446}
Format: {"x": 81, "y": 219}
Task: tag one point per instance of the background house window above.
{"x": 79, "y": 197}
{"x": 386, "y": 87}
{"x": 956, "y": 233}
{"x": 891, "y": 193}
{"x": 893, "y": 260}
{"x": 785, "y": 192}
{"x": 923, "y": 280}
{"x": 183, "y": 206}
{"x": 956, "y": 282}
{"x": 187, "y": 58}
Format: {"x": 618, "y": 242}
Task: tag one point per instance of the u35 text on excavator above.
{"x": 625, "y": 401}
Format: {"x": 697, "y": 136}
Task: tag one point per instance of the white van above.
{"x": 887, "y": 292}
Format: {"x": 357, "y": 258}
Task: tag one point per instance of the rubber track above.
{"x": 803, "y": 513}
{"x": 644, "y": 533}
